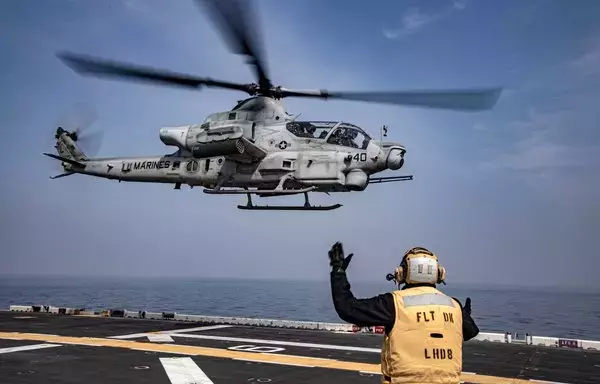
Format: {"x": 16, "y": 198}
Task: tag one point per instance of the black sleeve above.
{"x": 470, "y": 329}
{"x": 378, "y": 310}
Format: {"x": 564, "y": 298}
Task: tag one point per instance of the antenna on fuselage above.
{"x": 383, "y": 132}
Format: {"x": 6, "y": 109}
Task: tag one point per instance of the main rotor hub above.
{"x": 254, "y": 89}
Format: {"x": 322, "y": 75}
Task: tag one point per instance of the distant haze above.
{"x": 507, "y": 196}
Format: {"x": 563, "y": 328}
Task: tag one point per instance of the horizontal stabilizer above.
{"x": 62, "y": 175}
{"x": 72, "y": 162}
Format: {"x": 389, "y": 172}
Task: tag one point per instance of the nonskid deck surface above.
{"x": 42, "y": 347}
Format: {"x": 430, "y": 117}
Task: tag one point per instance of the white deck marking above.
{"x": 183, "y": 370}
{"x": 160, "y": 338}
{"x": 256, "y": 348}
{"x": 27, "y": 348}
{"x": 278, "y": 342}
{"x": 195, "y": 329}
{"x": 130, "y": 336}
{"x": 198, "y": 329}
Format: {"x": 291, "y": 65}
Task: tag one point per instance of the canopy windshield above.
{"x": 311, "y": 129}
{"x": 349, "y": 135}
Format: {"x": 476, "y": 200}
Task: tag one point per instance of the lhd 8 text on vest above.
{"x": 439, "y": 353}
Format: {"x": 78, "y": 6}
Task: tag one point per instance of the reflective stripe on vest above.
{"x": 428, "y": 299}
{"x": 425, "y": 344}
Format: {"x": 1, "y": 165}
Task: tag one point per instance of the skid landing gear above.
{"x": 306, "y": 207}
{"x": 271, "y": 193}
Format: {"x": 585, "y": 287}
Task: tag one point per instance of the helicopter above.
{"x": 257, "y": 147}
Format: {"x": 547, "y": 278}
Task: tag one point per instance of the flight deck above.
{"x": 44, "y": 344}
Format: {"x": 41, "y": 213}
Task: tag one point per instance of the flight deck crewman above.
{"x": 424, "y": 328}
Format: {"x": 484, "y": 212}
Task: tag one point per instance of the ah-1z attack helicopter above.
{"x": 257, "y": 147}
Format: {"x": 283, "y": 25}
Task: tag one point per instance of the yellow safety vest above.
{"x": 425, "y": 344}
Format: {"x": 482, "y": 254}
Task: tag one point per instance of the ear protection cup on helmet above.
{"x": 401, "y": 271}
{"x": 441, "y": 275}
{"x": 399, "y": 274}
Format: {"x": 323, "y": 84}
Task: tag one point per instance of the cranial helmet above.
{"x": 419, "y": 266}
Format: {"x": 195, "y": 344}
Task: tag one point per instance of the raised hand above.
{"x": 338, "y": 262}
{"x": 468, "y": 305}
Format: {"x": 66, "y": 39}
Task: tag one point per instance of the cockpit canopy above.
{"x": 349, "y": 135}
{"x": 336, "y": 133}
{"x": 311, "y": 129}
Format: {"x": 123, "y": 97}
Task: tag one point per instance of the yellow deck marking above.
{"x": 230, "y": 354}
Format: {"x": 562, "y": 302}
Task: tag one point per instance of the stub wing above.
{"x": 228, "y": 141}
{"x": 249, "y": 152}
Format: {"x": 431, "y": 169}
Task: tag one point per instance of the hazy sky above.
{"x": 504, "y": 196}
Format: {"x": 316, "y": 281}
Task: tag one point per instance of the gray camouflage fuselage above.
{"x": 255, "y": 145}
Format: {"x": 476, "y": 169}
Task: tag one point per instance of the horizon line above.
{"x": 295, "y": 279}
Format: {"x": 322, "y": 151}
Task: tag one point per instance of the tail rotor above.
{"x": 76, "y": 122}
{"x": 74, "y": 142}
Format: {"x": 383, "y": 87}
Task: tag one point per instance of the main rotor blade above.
{"x": 239, "y": 26}
{"x": 465, "y": 99}
{"x": 88, "y": 65}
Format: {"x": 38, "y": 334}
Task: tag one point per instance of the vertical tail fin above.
{"x": 66, "y": 145}
{"x": 69, "y": 153}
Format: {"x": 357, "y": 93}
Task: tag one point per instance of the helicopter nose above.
{"x": 395, "y": 157}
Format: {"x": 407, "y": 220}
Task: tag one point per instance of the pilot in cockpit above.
{"x": 310, "y": 130}
{"x": 348, "y": 138}
{"x": 336, "y": 137}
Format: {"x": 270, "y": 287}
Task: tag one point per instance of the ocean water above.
{"x": 542, "y": 312}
